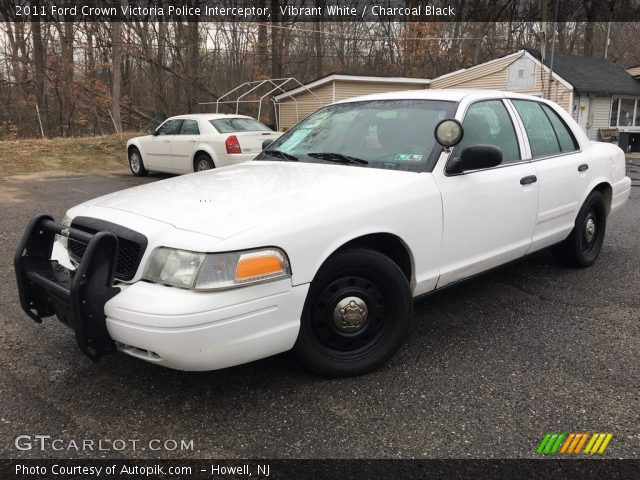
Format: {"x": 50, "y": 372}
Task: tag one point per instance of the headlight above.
{"x": 66, "y": 221}
{"x": 201, "y": 271}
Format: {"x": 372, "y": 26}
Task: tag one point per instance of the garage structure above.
{"x": 298, "y": 103}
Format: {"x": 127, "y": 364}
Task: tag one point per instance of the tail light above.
{"x": 232, "y": 144}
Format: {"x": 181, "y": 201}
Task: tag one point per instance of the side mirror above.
{"x": 475, "y": 157}
{"x": 151, "y": 131}
{"x": 449, "y": 132}
{"x": 266, "y": 143}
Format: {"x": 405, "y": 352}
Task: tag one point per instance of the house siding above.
{"x": 345, "y": 90}
{"x": 600, "y": 110}
{"x": 634, "y": 71}
{"x": 307, "y": 103}
{"x": 493, "y": 76}
{"x": 474, "y": 74}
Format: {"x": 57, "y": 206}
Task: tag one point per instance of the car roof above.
{"x": 211, "y": 116}
{"x": 451, "y": 95}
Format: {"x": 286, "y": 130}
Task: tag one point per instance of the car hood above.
{"x": 227, "y": 201}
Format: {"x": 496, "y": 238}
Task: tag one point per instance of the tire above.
{"x": 583, "y": 245}
{"x": 202, "y": 163}
{"x": 136, "y": 164}
{"x": 334, "y": 345}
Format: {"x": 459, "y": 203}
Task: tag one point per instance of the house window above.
{"x": 625, "y": 112}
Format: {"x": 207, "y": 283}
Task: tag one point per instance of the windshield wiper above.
{"x": 338, "y": 158}
{"x": 281, "y": 154}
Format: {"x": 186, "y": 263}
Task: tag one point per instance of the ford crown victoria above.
{"x": 322, "y": 242}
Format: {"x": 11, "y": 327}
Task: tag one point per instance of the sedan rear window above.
{"x": 231, "y": 125}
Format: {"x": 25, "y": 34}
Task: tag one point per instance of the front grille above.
{"x": 131, "y": 245}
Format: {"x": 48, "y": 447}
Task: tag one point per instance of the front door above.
{"x": 584, "y": 104}
{"x": 488, "y": 214}
{"x": 158, "y": 150}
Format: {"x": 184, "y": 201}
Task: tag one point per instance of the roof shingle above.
{"x": 590, "y": 75}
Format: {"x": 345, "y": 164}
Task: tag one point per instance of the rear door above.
{"x": 560, "y": 167}
{"x": 488, "y": 214}
{"x": 184, "y": 144}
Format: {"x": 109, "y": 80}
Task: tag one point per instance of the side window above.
{"x": 189, "y": 127}
{"x": 170, "y": 127}
{"x": 542, "y": 136}
{"x": 488, "y": 123}
{"x": 566, "y": 139}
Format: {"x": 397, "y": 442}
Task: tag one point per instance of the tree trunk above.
{"x": 192, "y": 65}
{"x": 589, "y": 7}
{"x": 261, "y": 61}
{"x": 318, "y": 41}
{"x": 159, "y": 94}
{"x": 39, "y": 84}
{"x": 276, "y": 47}
{"x": 587, "y": 49}
{"x": 117, "y": 74}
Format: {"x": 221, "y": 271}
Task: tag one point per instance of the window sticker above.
{"x": 408, "y": 157}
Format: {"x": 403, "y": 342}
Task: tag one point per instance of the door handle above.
{"x": 583, "y": 167}
{"x": 193, "y": 141}
{"x": 528, "y": 180}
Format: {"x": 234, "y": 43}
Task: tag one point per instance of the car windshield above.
{"x": 389, "y": 134}
{"x": 231, "y": 125}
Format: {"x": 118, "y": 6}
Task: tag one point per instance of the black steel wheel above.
{"x": 356, "y": 315}
{"x": 136, "y": 164}
{"x": 583, "y": 245}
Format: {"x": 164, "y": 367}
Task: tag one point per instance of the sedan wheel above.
{"x": 583, "y": 245}
{"x": 136, "y": 164}
{"x": 356, "y": 315}
{"x": 203, "y": 162}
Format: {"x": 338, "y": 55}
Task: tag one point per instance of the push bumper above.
{"x": 77, "y": 297}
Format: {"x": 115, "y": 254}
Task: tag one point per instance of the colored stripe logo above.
{"x": 572, "y": 443}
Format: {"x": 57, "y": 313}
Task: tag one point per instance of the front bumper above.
{"x": 169, "y": 326}
{"x": 189, "y": 330}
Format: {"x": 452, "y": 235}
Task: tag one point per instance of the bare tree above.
{"x": 39, "y": 83}
{"x": 116, "y": 49}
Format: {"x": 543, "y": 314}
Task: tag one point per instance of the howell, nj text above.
{"x": 246, "y": 470}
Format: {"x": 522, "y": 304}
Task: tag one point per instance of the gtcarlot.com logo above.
{"x": 574, "y": 443}
{"x": 46, "y": 442}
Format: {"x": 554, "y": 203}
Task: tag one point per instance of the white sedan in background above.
{"x": 197, "y": 142}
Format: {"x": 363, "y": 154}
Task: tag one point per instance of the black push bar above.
{"x": 77, "y": 296}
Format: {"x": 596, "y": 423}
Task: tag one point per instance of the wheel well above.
{"x": 132, "y": 147}
{"x": 195, "y": 156}
{"x": 387, "y": 244}
{"x": 607, "y": 192}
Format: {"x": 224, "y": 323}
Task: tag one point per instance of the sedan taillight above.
{"x": 232, "y": 144}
